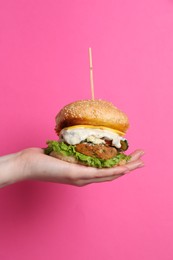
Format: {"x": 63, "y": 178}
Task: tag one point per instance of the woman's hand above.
{"x": 33, "y": 164}
{"x": 37, "y": 165}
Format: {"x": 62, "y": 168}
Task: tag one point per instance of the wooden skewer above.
{"x": 91, "y": 73}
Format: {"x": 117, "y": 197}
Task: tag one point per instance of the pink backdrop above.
{"x": 43, "y": 66}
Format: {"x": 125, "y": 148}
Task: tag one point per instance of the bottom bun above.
{"x": 72, "y": 159}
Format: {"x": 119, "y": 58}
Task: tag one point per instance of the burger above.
{"x": 91, "y": 132}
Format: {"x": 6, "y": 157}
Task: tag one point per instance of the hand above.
{"x": 36, "y": 165}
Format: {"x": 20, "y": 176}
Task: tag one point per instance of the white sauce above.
{"x": 77, "y": 135}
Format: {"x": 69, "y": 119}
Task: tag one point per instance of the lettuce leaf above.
{"x": 69, "y": 150}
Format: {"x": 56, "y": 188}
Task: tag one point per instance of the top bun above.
{"x": 91, "y": 112}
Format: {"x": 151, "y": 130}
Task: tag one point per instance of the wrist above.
{"x": 11, "y": 169}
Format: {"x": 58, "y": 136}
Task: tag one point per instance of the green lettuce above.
{"x": 69, "y": 150}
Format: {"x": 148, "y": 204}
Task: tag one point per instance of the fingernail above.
{"x": 139, "y": 162}
{"x": 142, "y": 153}
{"x": 141, "y": 165}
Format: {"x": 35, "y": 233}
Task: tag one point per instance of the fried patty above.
{"x": 97, "y": 150}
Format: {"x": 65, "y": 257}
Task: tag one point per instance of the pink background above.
{"x": 43, "y": 66}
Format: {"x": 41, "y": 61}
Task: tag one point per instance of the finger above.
{"x": 92, "y": 173}
{"x": 117, "y": 171}
{"x": 132, "y": 165}
{"x": 136, "y": 155}
{"x": 99, "y": 180}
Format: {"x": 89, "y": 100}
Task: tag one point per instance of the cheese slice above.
{"x": 96, "y": 127}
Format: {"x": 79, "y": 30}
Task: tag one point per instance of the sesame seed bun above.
{"x": 91, "y": 112}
